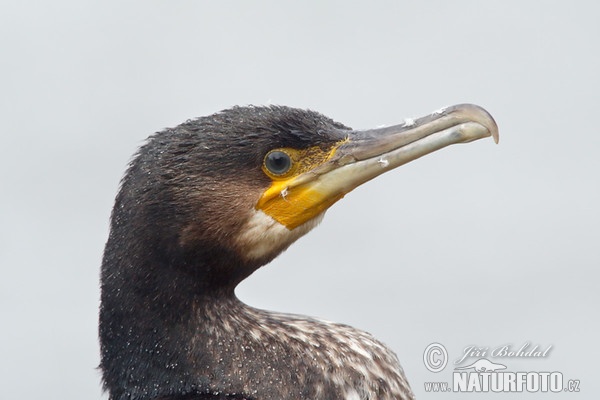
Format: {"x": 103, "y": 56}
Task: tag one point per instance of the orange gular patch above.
{"x": 290, "y": 202}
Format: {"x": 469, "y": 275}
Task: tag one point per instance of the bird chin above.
{"x": 262, "y": 238}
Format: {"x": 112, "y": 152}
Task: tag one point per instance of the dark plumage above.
{"x": 183, "y": 235}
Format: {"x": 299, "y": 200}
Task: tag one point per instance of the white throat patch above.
{"x": 263, "y": 236}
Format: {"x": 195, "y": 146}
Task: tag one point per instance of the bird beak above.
{"x": 367, "y": 154}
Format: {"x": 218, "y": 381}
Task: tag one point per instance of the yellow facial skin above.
{"x": 292, "y": 203}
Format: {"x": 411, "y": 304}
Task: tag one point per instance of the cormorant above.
{"x": 205, "y": 204}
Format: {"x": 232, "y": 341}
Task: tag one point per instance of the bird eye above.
{"x": 278, "y": 162}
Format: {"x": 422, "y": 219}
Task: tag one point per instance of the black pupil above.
{"x": 278, "y": 162}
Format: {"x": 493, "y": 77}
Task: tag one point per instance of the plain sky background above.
{"x": 477, "y": 244}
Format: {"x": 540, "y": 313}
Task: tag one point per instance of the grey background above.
{"x": 477, "y": 244}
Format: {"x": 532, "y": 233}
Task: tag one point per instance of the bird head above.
{"x": 238, "y": 187}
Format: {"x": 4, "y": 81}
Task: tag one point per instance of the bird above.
{"x": 205, "y": 204}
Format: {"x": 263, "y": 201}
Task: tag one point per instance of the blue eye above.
{"x": 278, "y": 162}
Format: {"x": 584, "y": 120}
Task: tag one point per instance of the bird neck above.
{"x": 176, "y": 337}
{"x": 168, "y": 327}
